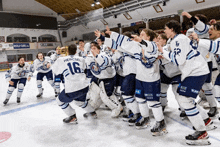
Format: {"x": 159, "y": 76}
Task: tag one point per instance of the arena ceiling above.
{"x": 70, "y": 9}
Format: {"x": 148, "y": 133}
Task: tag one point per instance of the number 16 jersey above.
{"x": 72, "y": 67}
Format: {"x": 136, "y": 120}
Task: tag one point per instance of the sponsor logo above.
{"x": 138, "y": 91}
{"x": 183, "y": 88}
{"x": 194, "y": 91}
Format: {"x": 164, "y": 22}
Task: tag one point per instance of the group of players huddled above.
{"x": 130, "y": 74}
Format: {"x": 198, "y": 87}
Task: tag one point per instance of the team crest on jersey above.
{"x": 95, "y": 68}
{"x": 177, "y": 44}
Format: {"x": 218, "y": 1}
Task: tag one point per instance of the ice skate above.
{"x": 183, "y": 115}
{"x": 134, "y": 119}
{"x": 90, "y": 114}
{"x": 144, "y": 122}
{"x": 159, "y": 128}
{"x": 6, "y": 101}
{"x": 208, "y": 124}
{"x": 126, "y": 117}
{"x": 57, "y": 94}
{"x": 39, "y": 95}
{"x": 198, "y": 138}
{"x": 213, "y": 112}
{"x": 71, "y": 119}
{"x": 18, "y": 99}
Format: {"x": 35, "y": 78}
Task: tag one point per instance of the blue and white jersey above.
{"x": 54, "y": 57}
{"x": 211, "y": 46}
{"x": 118, "y": 59}
{"x": 201, "y": 29}
{"x": 18, "y": 72}
{"x": 41, "y": 66}
{"x": 181, "y": 53}
{"x": 204, "y": 52}
{"x": 147, "y": 65}
{"x": 72, "y": 67}
{"x": 101, "y": 66}
{"x": 129, "y": 64}
{"x": 169, "y": 69}
{"x": 104, "y": 48}
{"x": 86, "y": 51}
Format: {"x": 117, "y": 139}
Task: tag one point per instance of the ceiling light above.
{"x": 93, "y": 4}
{"x": 97, "y": 2}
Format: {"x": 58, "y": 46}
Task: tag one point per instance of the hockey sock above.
{"x": 144, "y": 109}
{"x": 157, "y": 110}
{"x": 57, "y": 87}
{"x": 174, "y": 89}
{"x": 131, "y": 103}
{"x": 66, "y": 107}
{"x": 217, "y": 92}
{"x": 20, "y": 90}
{"x": 85, "y": 105}
{"x": 52, "y": 84}
{"x": 39, "y": 86}
{"x": 9, "y": 92}
{"x": 163, "y": 94}
{"x": 202, "y": 112}
{"x": 210, "y": 98}
{"x": 192, "y": 112}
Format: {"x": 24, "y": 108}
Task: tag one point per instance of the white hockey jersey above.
{"x": 169, "y": 69}
{"x": 101, "y": 66}
{"x": 18, "y": 72}
{"x": 41, "y": 66}
{"x": 129, "y": 64}
{"x": 147, "y": 65}
{"x": 72, "y": 67}
{"x": 205, "y": 53}
{"x": 54, "y": 57}
{"x": 189, "y": 60}
{"x": 118, "y": 59}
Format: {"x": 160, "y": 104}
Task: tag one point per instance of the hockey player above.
{"x": 17, "y": 76}
{"x": 76, "y": 85}
{"x": 57, "y": 78}
{"x": 213, "y": 47}
{"x": 128, "y": 84}
{"x": 42, "y": 66}
{"x": 147, "y": 89}
{"x": 201, "y": 29}
{"x": 103, "y": 70}
{"x": 193, "y": 77}
{"x": 84, "y": 49}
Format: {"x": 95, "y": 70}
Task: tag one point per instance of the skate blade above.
{"x": 142, "y": 127}
{"x": 183, "y": 118}
{"x": 163, "y": 132}
{"x": 198, "y": 142}
{"x": 131, "y": 124}
{"x": 125, "y": 119}
{"x": 211, "y": 127}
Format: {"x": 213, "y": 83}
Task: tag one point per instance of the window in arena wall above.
{"x": 29, "y": 57}
{"x": 24, "y": 56}
{"x": 11, "y": 58}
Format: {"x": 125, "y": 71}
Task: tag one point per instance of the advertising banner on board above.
{"x": 21, "y": 45}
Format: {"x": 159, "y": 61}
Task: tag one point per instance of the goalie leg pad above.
{"x": 112, "y": 102}
{"x": 94, "y": 96}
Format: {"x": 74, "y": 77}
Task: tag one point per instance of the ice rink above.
{"x": 38, "y": 123}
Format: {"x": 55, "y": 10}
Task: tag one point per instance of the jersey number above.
{"x": 74, "y": 66}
